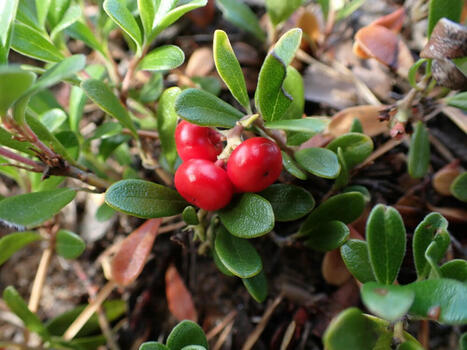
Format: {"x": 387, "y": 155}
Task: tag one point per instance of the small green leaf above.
{"x": 166, "y": 124}
{"x": 419, "y": 152}
{"x": 19, "y": 307}
{"x": 257, "y": 286}
{"x": 279, "y": 10}
{"x": 355, "y": 146}
{"x": 289, "y": 164}
{"x": 117, "y": 10}
{"x": 14, "y": 82}
{"x": 459, "y": 100}
{"x": 53, "y": 119}
{"x": 349, "y": 8}
{"x": 238, "y": 255}
{"x": 413, "y": 72}
{"x": 463, "y": 342}
{"x": 104, "y": 213}
{"x": 242, "y": 16}
{"x": 13, "y": 242}
{"x": 455, "y": 269}
{"x": 7, "y": 15}
{"x": 358, "y": 188}
{"x": 343, "y": 178}
{"x": 72, "y": 14}
{"x": 388, "y": 302}
{"x": 288, "y": 202}
{"x": 42, "y": 9}
{"x": 248, "y": 216}
{"x": 313, "y": 125}
{"x": 410, "y": 345}
{"x": 190, "y": 216}
{"x": 436, "y": 251}
{"x": 461, "y": 64}
{"x": 352, "y": 330}
{"x": 443, "y": 300}
{"x": 450, "y": 9}
{"x": 147, "y": 12}
{"x": 184, "y": 334}
{"x": 385, "y": 233}
{"x": 459, "y": 187}
{"x": 30, "y": 42}
{"x": 80, "y": 31}
{"x": 356, "y": 126}
{"x": 163, "y": 58}
{"x": 144, "y": 199}
{"x": 220, "y": 265}
{"x": 151, "y": 91}
{"x": 423, "y": 235}
{"x": 355, "y": 255}
{"x": 319, "y": 161}
{"x": 209, "y": 84}
{"x": 202, "y": 108}
{"x": 32, "y": 209}
{"x": 271, "y": 99}
{"x": 106, "y": 130}
{"x": 228, "y": 67}
{"x": 57, "y": 10}
{"x": 152, "y": 345}
{"x": 345, "y": 207}
{"x": 295, "y": 87}
{"x": 69, "y": 244}
{"x": 101, "y": 94}
{"x": 327, "y": 236}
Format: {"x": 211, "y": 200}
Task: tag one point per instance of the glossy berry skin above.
{"x": 197, "y": 142}
{"x": 254, "y": 165}
{"x": 203, "y": 184}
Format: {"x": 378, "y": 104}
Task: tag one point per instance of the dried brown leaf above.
{"x": 393, "y": 21}
{"x": 368, "y": 116}
{"x": 333, "y": 268}
{"x": 179, "y": 298}
{"x": 201, "y": 63}
{"x": 451, "y": 214}
{"x": 378, "y": 42}
{"x": 203, "y": 16}
{"x": 444, "y": 177}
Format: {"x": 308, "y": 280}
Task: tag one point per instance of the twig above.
{"x": 386, "y": 147}
{"x": 282, "y": 145}
{"x": 227, "y": 330}
{"x": 218, "y": 328}
{"x": 14, "y": 156}
{"x": 143, "y": 133}
{"x": 128, "y": 79}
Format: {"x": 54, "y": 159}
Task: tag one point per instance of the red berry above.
{"x": 254, "y": 165}
{"x": 203, "y": 184}
{"x": 197, "y": 142}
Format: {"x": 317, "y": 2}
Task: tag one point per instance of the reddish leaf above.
{"x": 378, "y": 42}
{"x": 179, "y": 297}
{"x": 130, "y": 259}
{"x": 393, "y": 21}
{"x": 333, "y": 268}
{"x": 368, "y": 116}
{"x": 203, "y": 16}
{"x": 444, "y": 177}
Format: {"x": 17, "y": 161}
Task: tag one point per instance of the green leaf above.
{"x": 147, "y": 12}
{"x": 455, "y": 269}
{"x": 436, "y": 251}
{"x": 388, "y": 302}
{"x": 356, "y": 126}
{"x": 419, "y": 151}
{"x": 101, "y": 95}
{"x": 30, "y": 42}
{"x": 106, "y": 130}
{"x": 166, "y": 124}
{"x": 202, "y": 108}
{"x": 345, "y": 207}
{"x": 312, "y": 125}
{"x": 163, "y": 58}
{"x": 42, "y": 9}
{"x": 442, "y": 300}
{"x": 327, "y": 236}
{"x": 423, "y": 235}
{"x": 355, "y": 256}
{"x": 279, "y": 10}
{"x": 190, "y": 216}
{"x": 319, "y": 161}
{"x": 151, "y": 91}
{"x": 288, "y": 202}
{"x": 220, "y": 265}
{"x": 343, "y": 178}
{"x": 104, "y": 213}
{"x": 163, "y": 21}
{"x": 459, "y": 100}
{"x": 80, "y": 31}
{"x": 248, "y": 216}
{"x": 14, "y": 82}
{"x": 463, "y": 342}
{"x": 450, "y": 9}
{"x": 271, "y": 99}
{"x": 257, "y": 286}
{"x": 184, "y": 334}
{"x": 7, "y": 15}
{"x": 349, "y": 8}
{"x": 410, "y": 345}
{"x": 32, "y": 209}
{"x": 385, "y": 233}
{"x": 355, "y": 146}
{"x": 228, "y": 67}
{"x": 353, "y": 331}
{"x": 119, "y": 13}
{"x": 413, "y": 72}
{"x": 242, "y": 16}
{"x": 294, "y": 86}
{"x": 53, "y": 119}
{"x": 57, "y": 11}
{"x": 289, "y": 164}
{"x": 72, "y": 14}
{"x": 69, "y": 245}
{"x": 209, "y": 84}
{"x": 459, "y": 187}
{"x": 238, "y": 255}
{"x": 152, "y": 345}
{"x": 358, "y": 188}
{"x": 19, "y": 307}
{"x": 144, "y": 199}
{"x": 461, "y": 64}
{"x": 13, "y": 242}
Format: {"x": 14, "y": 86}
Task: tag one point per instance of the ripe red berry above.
{"x": 197, "y": 142}
{"x": 254, "y": 165}
{"x": 203, "y": 184}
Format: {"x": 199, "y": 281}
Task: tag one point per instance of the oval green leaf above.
{"x": 436, "y": 251}
{"x": 292, "y": 168}
{"x": 242, "y": 16}
{"x": 248, "y": 216}
{"x": 163, "y": 58}
{"x": 386, "y": 237}
{"x": 152, "y": 345}
{"x": 309, "y": 124}
{"x": 144, "y": 199}
{"x": 355, "y": 256}
{"x": 220, "y": 265}
{"x": 279, "y": 10}
{"x": 69, "y": 245}
{"x": 356, "y": 147}
{"x": 190, "y": 216}
{"x": 459, "y": 187}
{"x": 455, "y": 269}
{"x": 184, "y": 334}
{"x": 257, "y": 286}
{"x": 319, "y": 162}
{"x": 166, "y": 124}
{"x": 438, "y": 9}
{"x": 237, "y": 254}
{"x": 14, "y": 82}
{"x": 13, "y": 242}
{"x": 327, "y": 236}
{"x": 419, "y": 152}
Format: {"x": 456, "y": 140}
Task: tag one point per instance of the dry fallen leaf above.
{"x": 333, "y": 268}
{"x": 134, "y": 250}
{"x": 368, "y": 116}
{"x": 179, "y": 298}
{"x": 310, "y": 26}
{"x": 201, "y": 63}
{"x": 393, "y": 21}
{"x": 378, "y": 42}
{"x": 451, "y": 214}
{"x": 444, "y": 177}
{"x": 448, "y": 40}
{"x": 203, "y": 16}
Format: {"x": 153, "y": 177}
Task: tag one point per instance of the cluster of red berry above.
{"x": 253, "y": 166}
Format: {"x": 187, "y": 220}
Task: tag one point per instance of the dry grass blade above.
{"x": 179, "y": 298}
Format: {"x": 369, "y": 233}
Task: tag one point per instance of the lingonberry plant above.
{"x": 87, "y": 109}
